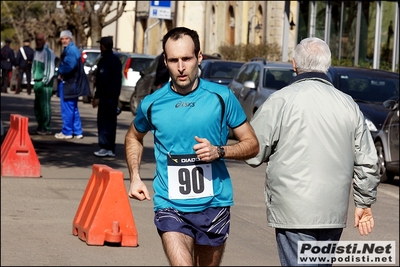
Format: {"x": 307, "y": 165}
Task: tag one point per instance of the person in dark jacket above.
{"x": 72, "y": 84}
{"x": 108, "y": 88}
{"x": 24, "y": 64}
{"x": 162, "y": 74}
{"x": 7, "y": 63}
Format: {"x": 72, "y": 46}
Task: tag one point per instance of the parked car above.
{"x": 369, "y": 88}
{"x": 89, "y": 56}
{"x": 257, "y": 80}
{"x": 91, "y": 76}
{"x": 387, "y": 142}
{"x": 145, "y": 84}
{"x": 132, "y": 64}
{"x": 219, "y": 71}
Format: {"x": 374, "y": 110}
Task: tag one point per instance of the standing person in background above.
{"x": 24, "y": 64}
{"x": 162, "y": 74}
{"x": 190, "y": 120}
{"x": 43, "y": 71}
{"x": 72, "y": 84}
{"x": 317, "y": 147}
{"x": 108, "y": 88}
{"x": 7, "y": 63}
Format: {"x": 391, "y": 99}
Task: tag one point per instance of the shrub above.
{"x": 272, "y": 52}
{"x": 245, "y": 52}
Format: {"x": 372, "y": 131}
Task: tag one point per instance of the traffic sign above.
{"x": 160, "y": 9}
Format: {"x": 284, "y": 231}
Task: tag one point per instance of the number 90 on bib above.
{"x": 188, "y": 177}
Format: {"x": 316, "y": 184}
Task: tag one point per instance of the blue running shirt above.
{"x": 175, "y": 120}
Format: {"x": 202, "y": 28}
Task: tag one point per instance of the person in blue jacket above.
{"x": 72, "y": 84}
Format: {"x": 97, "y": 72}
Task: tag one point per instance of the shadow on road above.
{"x": 73, "y": 152}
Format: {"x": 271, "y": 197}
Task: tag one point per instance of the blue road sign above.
{"x": 160, "y": 9}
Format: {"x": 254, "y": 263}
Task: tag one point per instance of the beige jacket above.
{"x": 317, "y": 146}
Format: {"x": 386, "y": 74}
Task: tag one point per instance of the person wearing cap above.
{"x": 72, "y": 84}
{"x": 108, "y": 88}
{"x": 7, "y": 63}
{"x": 24, "y": 64}
{"x": 43, "y": 72}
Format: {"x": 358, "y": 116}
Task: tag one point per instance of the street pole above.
{"x": 146, "y": 35}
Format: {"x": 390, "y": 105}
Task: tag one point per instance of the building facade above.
{"x": 359, "y": 33}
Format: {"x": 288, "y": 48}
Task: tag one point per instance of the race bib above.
{"x": 189, "y": 177}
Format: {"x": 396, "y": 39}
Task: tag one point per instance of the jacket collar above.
{"x": 311, "y": 75}
{"x": 107, "y": 52}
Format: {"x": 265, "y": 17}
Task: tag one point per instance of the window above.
{"x": 244, "y": 74}
{"x": 277, "y": 78}
{"x": 369, "y": 89}
{"x": 138, "y": 64}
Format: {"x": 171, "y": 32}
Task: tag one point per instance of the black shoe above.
{"x": 43, "y": 132}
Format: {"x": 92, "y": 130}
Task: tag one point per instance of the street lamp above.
{"x": 292, "y": 22}
{"x": 257, "y": 28}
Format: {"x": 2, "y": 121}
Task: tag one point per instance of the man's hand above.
{"x": 95, "y": 102}
{"x": 138, "y": 190}
{"x": 205, "y": 151}
{"x": 363, "y": 220}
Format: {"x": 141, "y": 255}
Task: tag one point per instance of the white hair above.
{"x": 312, "y": 55}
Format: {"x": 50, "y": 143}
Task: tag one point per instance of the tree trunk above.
{"x": 95, "y": 29}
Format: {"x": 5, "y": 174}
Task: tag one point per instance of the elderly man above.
{"x": 43, "y": 74}
{"x": 72, "y": 84}
{"x": 318, "y": 148}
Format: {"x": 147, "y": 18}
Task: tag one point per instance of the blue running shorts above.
{"x": 209, "y": 227}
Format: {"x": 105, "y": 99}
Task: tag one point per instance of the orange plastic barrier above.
{"x": 104, "y": 213}
{"x": 18, "y": 156}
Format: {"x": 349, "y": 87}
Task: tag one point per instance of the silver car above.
{"x": 132, "y": 64}
{"x": 89, "y": 56}
{"x": 387, "y": 143}
{"x": 257, "y": 80}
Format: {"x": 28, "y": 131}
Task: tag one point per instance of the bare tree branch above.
{"x": 13, "y": 22}
{"x": 84, "y": 18}
{"x": 120, "y": 11}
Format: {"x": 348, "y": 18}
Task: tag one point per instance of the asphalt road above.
{"x": 37, "y": 213}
